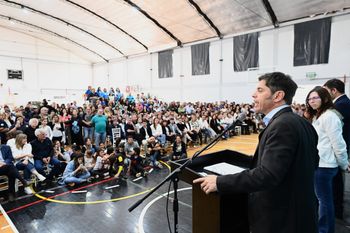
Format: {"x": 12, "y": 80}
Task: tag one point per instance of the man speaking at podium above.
{"x": 280, "y": 181}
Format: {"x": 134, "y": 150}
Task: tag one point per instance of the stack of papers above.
{"x": 224, "y": 169}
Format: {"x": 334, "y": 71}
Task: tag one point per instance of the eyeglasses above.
{"x": 313, "y": 98}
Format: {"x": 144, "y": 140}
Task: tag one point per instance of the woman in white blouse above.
{"x": 157, "y": 131}
{"x": 22, "y": 154}
{"x": 46, "y": 128}
{"x": 332, "y": 152}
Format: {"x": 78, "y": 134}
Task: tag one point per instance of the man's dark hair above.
{"x": 335, "y": 83}
{"x": 278, "y": 81}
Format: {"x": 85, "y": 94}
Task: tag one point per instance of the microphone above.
{"x": 241, "y": 117}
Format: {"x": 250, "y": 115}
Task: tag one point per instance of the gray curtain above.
{"x": 246, "y": 51}
{"x": 165, "y": 64}
{"x": 200, "y": 59}
{"x": 312, "y": 41}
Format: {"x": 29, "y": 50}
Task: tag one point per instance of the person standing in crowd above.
{"x": 88, "y": 130}
{"x": 280, "y": 181}
{"x": 331, "y": 149}
{"x": 65, "y": 117}
{"x": 57, "y": 129}
{"x": 336, "y": 89}
{"x": 99, "y": 121}
{"x": 75, "y": 123}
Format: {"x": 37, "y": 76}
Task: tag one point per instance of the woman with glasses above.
{"x": 332, "y": 152}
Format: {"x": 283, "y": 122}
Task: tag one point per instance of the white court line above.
{"x": 7, "y": 226}
{"x": 137, "y": 179}
{"x": 14, "y": 229}
{"x": 144, "y": 210}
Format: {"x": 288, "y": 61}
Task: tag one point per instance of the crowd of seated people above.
{"x": 73, "y": 143}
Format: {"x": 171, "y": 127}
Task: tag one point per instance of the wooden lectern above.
{"x": 216, "y": 213}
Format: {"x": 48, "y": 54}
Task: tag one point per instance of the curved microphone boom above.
{"x": 241, "y": 117}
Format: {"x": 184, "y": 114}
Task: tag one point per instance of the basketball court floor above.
{"x": 102, "y": 206}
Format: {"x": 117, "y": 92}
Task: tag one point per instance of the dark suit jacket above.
{"x": 280, "y": 182}
{"x": 6, "y": 154}
{"x": 143, "y": 132}
{"x": 342, "y": 105}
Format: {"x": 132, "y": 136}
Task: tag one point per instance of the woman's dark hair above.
{"x": 137, "y": 150}
{"x": 326, "y": 102}
{"x": 76, "y": 157}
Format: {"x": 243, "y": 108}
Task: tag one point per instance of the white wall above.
{"x": 57, "y": 74}
{"x": 275, "y": 54}
{"x": 48, "y": 71}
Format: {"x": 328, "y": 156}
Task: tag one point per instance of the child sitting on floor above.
{"x": 119, "y": 165}
{"x": 75, "y": 171}
{"x": 100, "y": 163}
{"x": 136, "y": 168}
{"x": 89, "y": 160}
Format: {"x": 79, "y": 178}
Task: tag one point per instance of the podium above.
{"x": 216, "y": 213}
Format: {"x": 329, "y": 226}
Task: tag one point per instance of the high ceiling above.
{"x": 101, "y": 30}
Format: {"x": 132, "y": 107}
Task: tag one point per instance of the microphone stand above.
{"x": 173, "y": 176}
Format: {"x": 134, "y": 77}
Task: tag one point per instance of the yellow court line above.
{"x": 99, "y": 201}
{"x": 91, "y": 202}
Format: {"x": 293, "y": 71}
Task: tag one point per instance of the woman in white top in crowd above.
{"x": 47, "y": 128}
{"x": 22, "y": 154}
{"x": 157, "y": 131}
{"x": 332, "y": 152}
{"x": 57, "y": 129}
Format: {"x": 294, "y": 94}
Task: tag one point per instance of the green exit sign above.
{"x": 311, "y": 75}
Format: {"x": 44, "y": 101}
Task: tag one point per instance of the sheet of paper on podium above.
{"x": 224, "y": 169}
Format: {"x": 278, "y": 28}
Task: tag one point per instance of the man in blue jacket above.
{"x": 336, "y": 88}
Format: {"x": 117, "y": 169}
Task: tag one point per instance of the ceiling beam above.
{"x": 51, "y": 32}
{"x": 179, "y": 43}
{"x": 207, "y": 19}
{"x": 106, "y": 20}
{"x": 271, "y": 13}
{"x": 65, "y": 22}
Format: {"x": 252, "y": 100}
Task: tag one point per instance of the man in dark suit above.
{"x": 280, "y": 181}
{"x": 336, "y": 88}
{"x": 145, "y": 130}
{"x": 8, "y": 169}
